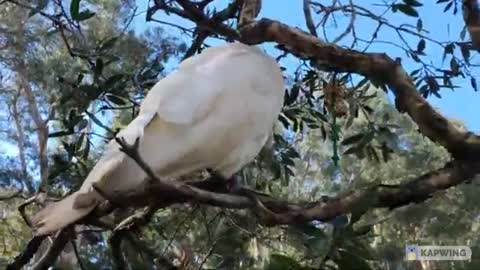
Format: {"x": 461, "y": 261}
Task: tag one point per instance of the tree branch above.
{"x": 54, "y": 250}
{"x": 471, "y": 16}
{"x": 27, "y": 254}
{"x": 271, "y": 211}
{"x": 196, "y": 43}
{"x": 115, "y": 242}
{"x": 377, "y": 67}
{"x": 276, "y": 212}
{"x": 250, "y": 10}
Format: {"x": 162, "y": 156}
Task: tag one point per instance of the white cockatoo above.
{"x": 216, "y": 111}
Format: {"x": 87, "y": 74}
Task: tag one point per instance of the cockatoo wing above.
{"x": 216, "y": 111}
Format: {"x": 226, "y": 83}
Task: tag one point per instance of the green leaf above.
{"x": 449, "y": 5}
{"x": 368, "y": 109}
{"x": 111, "y": 81}
{"x": 84, "y": 15}
{"x": 116, "y": 100}
{"x": 294, "y": 93}
{"x": 74, "y": 8}
{"x": 284, "y": 121}
{"x": 79, "y": 143}
{"x": 421, "y": 45}
{"x": 419, "y": 25}
{"x": 362, "y": 83}
{"x": 107, "y": 44}
{"x": 288, "y": 161}
{"x": 415, "y": 57}
{"x": 415, "y": 72}
{"x": 432, "y": 83}
{"x": 98, "y": 67}
{"x": 413, "y": 3}
{"x": 76, "y": 14}
{"x": 70, "y": 148}
{"x": 276, "y": 170}
{"x": 289, "y": 172}
{"x": 454, "y": 66}
{"x": 372, "y": 153}
{"x": 82, "y": 124}
{"x": 86, "y": 149}
{"x": 282, "y": 262}
{"x": 92, "y": 91}
{"x": 407, "y": 10}
{"x": 362, "y": 230}
{"x": 61, "y": 133}
{"x": 449, "y": 48}
{"x": 352, "y": 150}
{"x": 465, "y": 53}
{"x": 473, "y": 82}
{"x": 80, "y": 78}
{"x": 309, "y": 229}
{"x": 348, "y": 261}
{"x": 291, "y": 152}
{"x": 353, "y": 139}
{"x": 463, "y": 33}
{"x": 385, "y": 152}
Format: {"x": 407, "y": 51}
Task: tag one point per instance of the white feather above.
{"x": 216, "y": 111}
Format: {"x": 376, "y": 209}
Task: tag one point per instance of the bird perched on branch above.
{"x": 216, "y": 111}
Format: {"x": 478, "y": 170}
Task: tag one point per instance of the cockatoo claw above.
{"x": 129, "y": 149}
{"x": 232, "y": 184}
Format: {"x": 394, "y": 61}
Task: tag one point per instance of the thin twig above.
{"x": 308, "y": 18}
{"x": 27, "y": 254}
{"x": 207, "y": 255}
{"x": 77, "y": 255}
{"x": 54, "y": 250}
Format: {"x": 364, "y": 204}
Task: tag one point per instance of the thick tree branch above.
{"x": 328, "y": 57}
{"x": 277, "y": 212}
{"x": 377, "y": 67}
{"x": 471, "y": 16}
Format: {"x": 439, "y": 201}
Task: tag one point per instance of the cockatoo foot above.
{"x": 232, "y": 184}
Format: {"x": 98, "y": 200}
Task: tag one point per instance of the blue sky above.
{"x": 463, "y": 104}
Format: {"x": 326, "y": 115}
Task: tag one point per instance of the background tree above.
{"x": 343, "y": 158}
